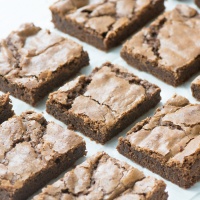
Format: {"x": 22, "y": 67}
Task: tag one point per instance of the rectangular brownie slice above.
{"x": 32, "y": 152}
{"x": 104, "y": 103}
{"x": 103, "y": 177}
{"x": 33, "y": 61}
{"x": 195, "y": 87}
{"x": 5, "y": 108}
{"x": 104, "y": 23}
{"x": 168, "y": 48}
{"x": 168, "y": 143}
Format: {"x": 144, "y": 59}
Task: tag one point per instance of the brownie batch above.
{"x": 34, "y": 61}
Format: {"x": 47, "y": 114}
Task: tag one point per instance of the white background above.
{"x": 15, "y": 12}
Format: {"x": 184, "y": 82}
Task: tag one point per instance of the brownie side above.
{"x": 195, "y": 88}
{"x": 33, "y": 157}
{"x": 174, "y": 156}
{"x": 110, "y": 38}
{"x": 92, "y": 180}
{"x": 39, "y": 61}
{"x": 5, "y": 108}
{"x": 152, "y": 48}
{"x": 61, "y": 102}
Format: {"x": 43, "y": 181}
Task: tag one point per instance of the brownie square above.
{"x": 168, "y": 143}
{"x": 34, "y": 61}
{"x": 168, "y": 48}
{"x": 104, "y": 23}
{"x": 32, "y": 152}
{"x": 5, "y": 108}
{"x": 104, "y": 103}
{"x": 195, "y": 87}
{"x": 103, "y": 177}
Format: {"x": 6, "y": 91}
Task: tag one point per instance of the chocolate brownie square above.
{"x": 195, "y": 87}
{"x": 168, "y": 143}
{"x": 104, "y": 23}
{"x": 5, "y": 108}
{"x": 103, "y": 177}
{"x": 168, "y": 48}
{"x": 104, "y": 103}
{"x": 32, "y": 152}
{"x": 33, "y": 61}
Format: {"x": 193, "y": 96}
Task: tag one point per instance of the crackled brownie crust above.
{"x": 168, "y": 143}
{"x": 34, "y": 61}
{"x": 104, "y": 103}
{"x": 34, "y": 151}
{"x": 165, "y": 49}
{"x": 195, "y": 87}
{"x": 5, "y": 108}
{"x": 104, "y": 23}
{"x": 93, "y": 180}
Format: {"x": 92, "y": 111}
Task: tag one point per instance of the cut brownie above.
{"x": 165, "y": 49}
{"x": 168, "y": 143}
{"x": 32, "y": 152}
{"x": 195, "y": 87}
{"x": 5, "y": 108}
{"x": 104, "y": 103}
{"x": 197, "y": 2}
{"x": 34, "y": 61}
{"x": 104, "y": 23}
{"x": 103, "y": 177}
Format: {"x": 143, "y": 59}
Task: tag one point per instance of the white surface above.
{"x": 15, "y": 12}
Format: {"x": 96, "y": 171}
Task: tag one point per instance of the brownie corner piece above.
{"x": 168, "y": 143}
{"x": 195, "y": 88}
{"x": 34, "y": 151}
{"x": 5, "y": 108}
{"x": 104, "y": 23}
{"x": 104, "y": 103}
{"x": 34, "y": 61}
{"x": 93, "y": 180}
{"x": 162, "y": 49}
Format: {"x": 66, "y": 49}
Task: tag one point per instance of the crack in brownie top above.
{"x": 101, "y": 16}
{"x": 162, "y": 42}
{"x": 28, "y": 144}
{"x": 173, "y": 132}
{"x": 93, "y": 179}
{"x": 30, "y": 55}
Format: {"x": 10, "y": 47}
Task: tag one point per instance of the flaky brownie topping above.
{"x": 102, "y": 17}
{"x": 28, "y": 144}
{"x": 173, "y": 133}
{"x": 30, "y": 55}
{"x": 100, "y": 177}
{"x": 166, "y": 41}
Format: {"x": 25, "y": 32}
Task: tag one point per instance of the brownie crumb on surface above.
{"x": 165, "y": 49}
{"x": 103, "y": 177}
{"x": 34, "y": 151}
{"x": 34, "y": 61}
{"x": 104, "y": 103}
{"x": 104, "y": 23}
{"x": 195, "y": 87}
{"x": 168, "y": 143}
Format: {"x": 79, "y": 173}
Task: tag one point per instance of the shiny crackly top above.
{"x": 108, "y": 94}
{"x": 173, "y": 133}
{"x": 30, "y": 55}
{"x": 171, "y": 41}
{"x": 101, "y": 16}
{"x": 100, "y": 177}
{"x": 28, "y": 145}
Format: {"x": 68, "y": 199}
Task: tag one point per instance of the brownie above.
{"x": 165, "y": 49}
{"x": 195, "y": 87}
{"x": 168, "y": 143}
{"x": 104, "y": 103}
{"x": 32, "y": 152}
{"x": 93, "y": 179}
{"x": 33, "y": 61}
{"x": 197, "y": 2}
{"x": 5, "y": 108}
{"x": 104, "y": 23}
